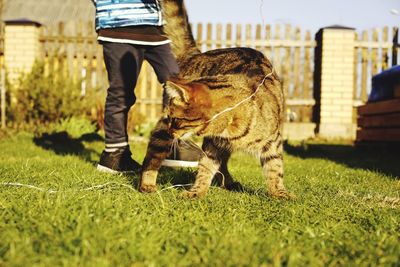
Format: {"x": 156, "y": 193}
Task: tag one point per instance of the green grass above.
{"x": 347, "y": 212}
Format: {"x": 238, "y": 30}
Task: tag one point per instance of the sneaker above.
{"x": 186, "y": 154}
{"x": 119, "y": 161}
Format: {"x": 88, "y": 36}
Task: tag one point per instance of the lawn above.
{"x": 347, "y": 212}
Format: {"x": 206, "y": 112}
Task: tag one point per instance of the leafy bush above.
{"x": 40, "y": 99}
{"x": 75, "y": 127}
{"x": 53, "y": 102}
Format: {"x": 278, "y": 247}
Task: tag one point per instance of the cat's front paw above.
{"x": 283, "y": 194}
{"x": 194, "y": 194}
{"x": 148, "y": 188}
{"x": 148, "y": 181}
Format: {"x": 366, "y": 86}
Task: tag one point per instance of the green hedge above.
{"x": 43, "y": 99}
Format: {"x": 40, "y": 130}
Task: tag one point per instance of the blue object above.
{"x": 383, "y": 84}
{"x": 123, "y": 13}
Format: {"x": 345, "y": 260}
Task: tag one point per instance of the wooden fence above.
{"x": 375, "y": 51}
{"x": 290, "y": 50}
{"x": 2, "y": 78}
{"x": 72, "y": 48}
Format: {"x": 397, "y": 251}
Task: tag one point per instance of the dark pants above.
{"x": 123, "y": 64}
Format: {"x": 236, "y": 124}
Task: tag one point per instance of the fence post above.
{"x": 21, "y": 46}
{"x": 396, "y": 45}
{"x": 333, "y": 82}
{"x": 3, "y": 97}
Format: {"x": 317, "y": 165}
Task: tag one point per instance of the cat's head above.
{"x": 189, "y": 107}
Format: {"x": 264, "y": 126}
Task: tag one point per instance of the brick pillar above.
{"x": 333, "y": 82}
{"x": 21, "y": 46}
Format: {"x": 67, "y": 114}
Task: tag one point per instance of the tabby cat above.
{"x": 231, "y": 96}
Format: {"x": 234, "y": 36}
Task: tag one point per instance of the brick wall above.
{"x": 21, "y": 47}
{"x": 336, "y": 83}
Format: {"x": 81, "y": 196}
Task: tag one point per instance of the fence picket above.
{"x": 100, "y": 77}
{"x": 364, "y": 68}
{"x": 89, "y": 56}
{"x": 209, "y": 36}
{"x": 374, "y": 53}
{"x": 199, "y": 39}
{"x": 249, "y": 40}
{"x": 385, "y": 50}
{"x": 3, "y": 97}
{"x": 277, "y": 51}
{"x": 143, "y": 85}
{"x": 154, "y": 96}
{"x": 267, "y": 49}
{"x": 79, "y": 64}
{"x": 286, "y": 73}
{"x": 355, "y": 69}
{"x": 219, "y": 36}
{"x": 296, "y": 66}
{"x": 62, "y": 49}
{"x": 258, "y": 35}
{"x": 229, "y": 35}
{"x": 395, "y": 45}
{"x": 50, "y": 51}
{"x": 307, "y": 75}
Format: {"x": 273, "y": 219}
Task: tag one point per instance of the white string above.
{"x": 174, "y": 186}
{"x": 92, "y": 188}
{"x": 107, "y": 184}
{"x": 51, "y": 191}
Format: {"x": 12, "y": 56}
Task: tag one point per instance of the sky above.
{"x": 307, "y": 14}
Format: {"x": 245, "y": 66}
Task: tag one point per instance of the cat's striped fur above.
{"x": 210, "y": 83}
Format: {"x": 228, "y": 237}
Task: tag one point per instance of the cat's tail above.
{"x": 178, "y": 29}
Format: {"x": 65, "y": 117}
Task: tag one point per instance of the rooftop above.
{"x": 48, "y": 12}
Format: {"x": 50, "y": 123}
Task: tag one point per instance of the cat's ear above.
{"x": 176, "y": 89}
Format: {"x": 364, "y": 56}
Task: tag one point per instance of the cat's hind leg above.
{"x": 223, "y": 178}
{"x": 158, "y": 149}
{"x": 209, "y": 165}
{"x": 272, "y": 164}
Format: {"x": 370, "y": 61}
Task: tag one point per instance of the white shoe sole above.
{"x": 104, "y": 169}
{"x": 179, "y": 163}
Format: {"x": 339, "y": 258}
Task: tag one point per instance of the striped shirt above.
{"x": 130, "y": 21}
{"x": 123, "y": 13}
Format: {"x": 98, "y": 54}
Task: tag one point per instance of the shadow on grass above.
{"x": 381, "y": 159}
{"x": 183, "y": 179}
{"x": 169, "y": 176}
{"x": 62, "y": 143}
